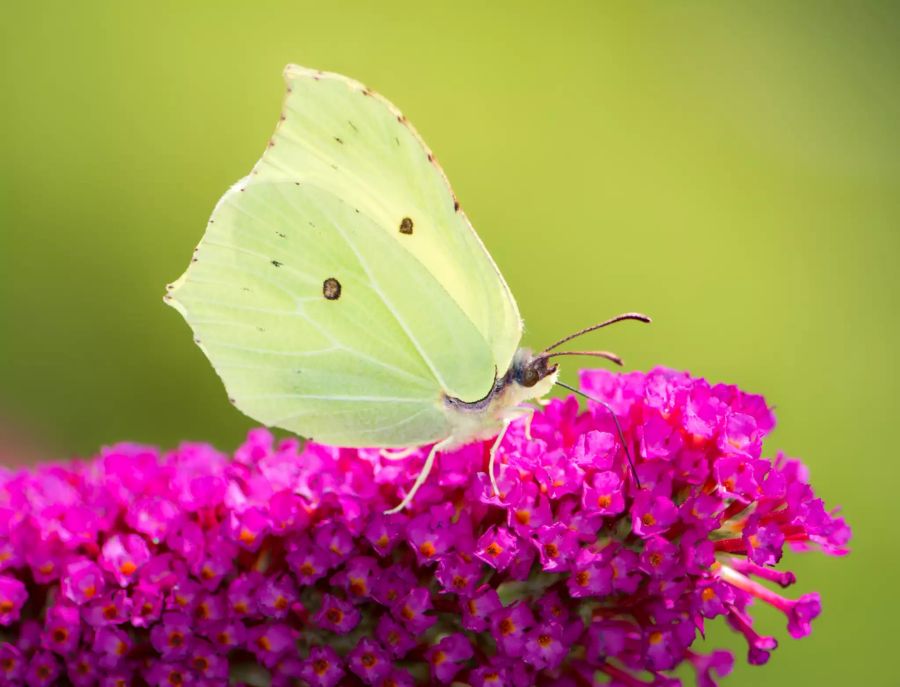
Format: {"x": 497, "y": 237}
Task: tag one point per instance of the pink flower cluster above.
{"x": 277, "y": 563}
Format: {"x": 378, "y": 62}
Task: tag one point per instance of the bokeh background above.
{"x": 729, "y": 168}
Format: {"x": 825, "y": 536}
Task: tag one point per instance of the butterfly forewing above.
{"x": 344, "y": 138}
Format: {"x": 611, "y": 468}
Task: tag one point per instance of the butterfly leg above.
{"x": 398, "y": 455}
{"x": 494, "y": 448}
{"x": 528, "y": 413}
{"x": 423, "y": 475}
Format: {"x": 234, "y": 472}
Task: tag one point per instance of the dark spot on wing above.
{"x": 456, "y": 205}
{"x": 212, "y": 221}
{"x": 271, "y": 143}
{"x": 366, "y": 91}
{"x": 331, "y": 289}
{"x": 333, "y": 166}
{"x": 283, "y": 117}
{"x": 336, "y": 138}
{"x": 396, "y": 140}
{"x": 352, "y": 125}
{"x": 284, "y": 236}
{"x": 260, "y": 329}
{"x": 406, "y": 226}
{"x": 244, "y": 288}
{"x": 296, "y": 183}
{"x": 277, "y": 264}
{"x": 430, "y": 157}
{"x": 401, "y": 119}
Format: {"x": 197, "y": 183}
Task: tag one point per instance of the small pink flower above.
{"x": 369, "y": 661}
{"x": 545, "y": 647}
{"x": 337, "y": 615}
{"x": 171, "y": 636}
{"x": 322, "y": 668}
{"x": 83, "y": 581}
{"x": 62, "y": 629}
{"x": 510, "y": 627}
{"x": 13, "y": 596}
{"x": 269, "y": 641}
{"x": 412, "y": 610}
{"x": 110, "y": 647}
{"x": 447, "y": 656}
{"x": 497, "y": 547}
{"x": 123, "y": 556}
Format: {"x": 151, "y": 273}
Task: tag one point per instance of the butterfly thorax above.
{"x": 529, "y": 377}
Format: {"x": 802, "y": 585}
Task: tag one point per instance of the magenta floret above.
{"x": 193, "y": 567}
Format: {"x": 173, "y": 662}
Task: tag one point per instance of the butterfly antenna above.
{"x": 637, "y": 479}
{"x": 618, "y": 318}
{"x": 612, "y": 357}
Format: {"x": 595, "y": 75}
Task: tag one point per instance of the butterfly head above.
{"x": 530, "y": 375}
{"x": 529, "y": 370}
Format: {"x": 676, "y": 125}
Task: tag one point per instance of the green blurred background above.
{"x": 731, "y": 169}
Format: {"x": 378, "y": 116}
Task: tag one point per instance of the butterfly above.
{"x": 341, "y": 293}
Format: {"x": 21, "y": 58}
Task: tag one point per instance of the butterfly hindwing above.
{"x": 349, "y": 368}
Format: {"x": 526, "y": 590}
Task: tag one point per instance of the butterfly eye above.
{"x": 530, "y": 377}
